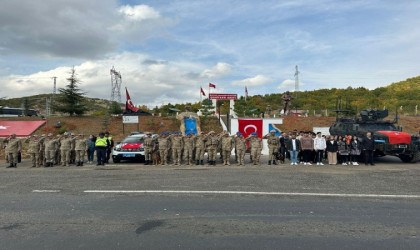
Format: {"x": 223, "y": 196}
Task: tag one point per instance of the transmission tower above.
{"x": 115, "y": 86}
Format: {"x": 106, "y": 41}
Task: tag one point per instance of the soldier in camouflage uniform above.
{"x": 13, "y": 147}
{"x": 163, "y": 142}
{"x": 66, "y": 146}
{"x": 212, "y": 146}
{"x": 148, "y": 147}
{"x": 188, "y": 142}
{"x": 41, "y": 158}
{"x": 50, "y": 145}
{"x": 227, "y": 145}
{"x": 273, "y": 144}
{"x": 256, "y": 147}
{"x": 177, "y": 144}
{"x": 80, "y": 147}
{"x": 57, "y": 156}
{"x": 34, "y": 149}
{"x": 200, "y": 148}
{"x": 240, "y": 146}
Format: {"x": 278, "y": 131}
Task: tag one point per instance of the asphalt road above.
{"x": 131, "y": 206}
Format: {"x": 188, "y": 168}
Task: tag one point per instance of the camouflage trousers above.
{"x": 271, "y": 151}
{"x": 35, "y": 159}
{"x": 199, "y": 154}
{"x": 188, "y": 155}
{"x": 147, "y": 153}
{"x": 176, "y": 155}
{"x": 80, "y": 155}
{"x": 240, "y": 155}
{"x": 256, "y": 153}
{"x": 226, "y": 156}
{"x": 163, "y": 156}
{"x": 65, "y": 157}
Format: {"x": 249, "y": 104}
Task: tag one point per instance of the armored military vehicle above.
{"x": 389, "y": 138}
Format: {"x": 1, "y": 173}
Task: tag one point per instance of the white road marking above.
{"x": 405, "y": 196}
{"x": 46, "y": 191}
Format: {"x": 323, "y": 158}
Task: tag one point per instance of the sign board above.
{"x": 323, "y": 130}
{"x": 130, "y": 119}
{"x": 223, "y": 96}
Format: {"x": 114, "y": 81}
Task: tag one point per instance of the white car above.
{"x": 131, "y": 148}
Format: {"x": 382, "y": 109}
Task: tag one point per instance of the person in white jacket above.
{"x": 319, "y": 146}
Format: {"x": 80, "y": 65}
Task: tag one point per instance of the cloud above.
{"x": 287, "y": 84}
{"x": 139, "y": 12}
{"x": 253, "y": 81}
{"x": 221, "y": 69}
{"x": 76, "y": 29}
{"x": 150, "y": 81}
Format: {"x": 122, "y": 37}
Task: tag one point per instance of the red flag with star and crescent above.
{"x": 129, "y": 106}
{"x": 202, "y": 92}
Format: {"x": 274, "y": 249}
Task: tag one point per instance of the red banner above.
{"x": 20, "y": 128}
{"x": 223, "y": 96}
{"x": 248, "y": 126}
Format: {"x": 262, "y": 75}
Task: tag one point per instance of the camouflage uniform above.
{"x": 240, "y": 146}
{"x": 66, "y": 146}
{"x": 13, "y": 147}
{"x": 80, "y": 147}
{"x": 212, "y": 146}
{"x": 57, "y": 156}
{"x": 177, "y": 144}
{"x": 273, "y": 143}
{"x": 34, "y": 149}
{"x": 188, "y": 142}
{"x": 41, "y": 158}
{"x": 148, "y": 147}
{"x": 163, "y": 142}
{"x": 200, "y": 148}
{"x": 51, "y": 146}
{"x": 227, "y": 145}
{"x": 256, "y": 147}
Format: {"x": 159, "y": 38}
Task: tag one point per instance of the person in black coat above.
{"x": 332, "y": 148}
{"x": 368, "y": 147}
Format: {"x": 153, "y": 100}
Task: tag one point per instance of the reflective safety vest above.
{"x": 101, "y": 142}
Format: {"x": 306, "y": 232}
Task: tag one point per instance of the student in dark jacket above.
{"x": 293, "y": 145}
{"x": 332, "y": 149}
{"x": 368, "y": 146}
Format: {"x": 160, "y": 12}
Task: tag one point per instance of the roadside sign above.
{"x": 130, "y": 119}
{"x": 214, "y": 96}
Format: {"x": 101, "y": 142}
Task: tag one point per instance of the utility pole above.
{"x": 51, "y": 110}
{"x": 296, "y": 85}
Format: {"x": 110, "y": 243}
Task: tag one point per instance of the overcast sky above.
{"x": 165, "y": 50}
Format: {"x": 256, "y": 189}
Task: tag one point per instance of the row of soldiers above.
{"x": 48, "y": 150}
{"x": 175, "y": 147}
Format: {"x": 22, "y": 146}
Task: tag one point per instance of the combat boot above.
{"x": 269, "y": 162}
{"x": 197, "y": 162}
{"x": 202, "y": 162}
{"x": 274, "y": 162}
{"x": 81, "y": 163}
{"x": 10, "y": 166}
{"x": 78, "y": 163}
{"x": 146, "y": 162}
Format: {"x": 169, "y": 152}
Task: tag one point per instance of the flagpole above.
{"x": 200, "y": 94}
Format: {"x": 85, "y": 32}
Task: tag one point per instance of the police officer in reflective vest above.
{"x": 101, "y": 145}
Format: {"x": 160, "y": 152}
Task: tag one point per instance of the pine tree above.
{"x": 71, "y": 100}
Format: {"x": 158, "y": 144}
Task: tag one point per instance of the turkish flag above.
{"x": 211, "y": 85}
{"x": 202, "y": 92}
{"x": 248, "y": 126}
{"x": 129, "y": 106}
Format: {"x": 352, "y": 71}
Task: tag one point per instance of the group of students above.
{"x": 308, "y": 148}
{"x": 65, "y": 149}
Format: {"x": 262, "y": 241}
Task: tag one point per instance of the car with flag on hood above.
{"x": 130, "y": 149}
